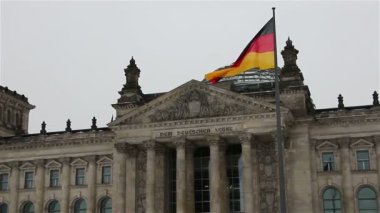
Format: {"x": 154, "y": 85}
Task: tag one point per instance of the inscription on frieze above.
{"x": 197, "y": 131}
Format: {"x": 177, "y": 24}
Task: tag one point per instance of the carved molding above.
{"x": 246, "y": 138}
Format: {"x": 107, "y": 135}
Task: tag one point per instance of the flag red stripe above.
{"x": 263, "y": 43}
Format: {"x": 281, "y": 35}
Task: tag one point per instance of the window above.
{"x": 3, "y": 182}
{"x": 331, "y": 201}
{"x": 54, "y": 207}
{"x": 79, "y": 176}
{"x": 28, "y": 183}
{"x": 201, "y": 180}
{"x": 28, "y": 208}
{"x": 328, "y": 161}
{"x": 367, "y": 200}
{"x": 54, "y": 178}
{"x": 106, "y": 205}
{"x": 80, "y": 206}
{"x": 106, "y": 174}
{"x": 362, "y": 157}
{"x": 3, "y": 208}
{"x": 235, "y": 177}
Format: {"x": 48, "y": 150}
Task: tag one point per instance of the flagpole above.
{"x": 279, "y": 137}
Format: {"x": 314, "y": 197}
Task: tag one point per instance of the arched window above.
{"x": 54, "y": 207}
{"x": 28, "y": 208}
{"x": 3, "y": 208}
{"x": 367, "y": 200}
{"x": 331, "y": 201}
{"x": 106, "y": 205}
{"x": 80, "y": 206}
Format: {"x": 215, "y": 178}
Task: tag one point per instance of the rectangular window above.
{"x": 28, "y": 183}
{"x": 234, "y": 177}
{"x": 328, "y": 161}
{"x": 79, "y": 176}
{"x": 363, "y": 159}
{"x": 201, "y": 180}
{"x": 3, "y": 182}
{"x": 54, "y": 178}
{"x": 106, "y": 174}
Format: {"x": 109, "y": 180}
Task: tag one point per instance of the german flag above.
{"x": 259, "y": 54}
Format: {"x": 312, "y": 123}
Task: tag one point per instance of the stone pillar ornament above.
{"x": 119, "y": 177}
{"x": 348, "y": 191}
{"x": 190, "y": 178}
{"x": 246, "y": 144}
{"x": 14, "y": 187}
{"x": 91, "y": 184}
{"x": 290, "y": 74}
{"x": 150, "y": 176}
{"x": 130, "y": 199}
{"x": 65, "y": 182}
{"x": 217, "y": 190}
{"x": 40, "y": 180}
{"x": 180, "y": 174}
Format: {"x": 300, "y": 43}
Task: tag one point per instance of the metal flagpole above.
{"x": 279, "y": 137}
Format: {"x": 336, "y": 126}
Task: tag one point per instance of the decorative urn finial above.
{"x": 340, "y": 101}
{"x": 43, "y": 128}
{"x": 93, "y": 126}
{"x": 68, "y": 125}
{"x": 375, "y": 97}
{"x": 289, "y": 54}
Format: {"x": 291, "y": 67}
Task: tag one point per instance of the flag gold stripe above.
{"x": 261, "y": 61}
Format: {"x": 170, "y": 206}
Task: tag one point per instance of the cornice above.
{"x": 209, "y": 121}
{"x": 64, "y": 140}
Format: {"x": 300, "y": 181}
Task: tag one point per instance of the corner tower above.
{"x": 131, "y": 95}
{"x": 14, "y": 113}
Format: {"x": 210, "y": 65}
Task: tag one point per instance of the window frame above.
{"x": 362, "y": 161}
{"x": 340, "y": 209}
{"x": 4, "y": 189}
{"x": 57, "y": 178}
{"x": 331, "y": 164}
{"x": 77, "y": 182}
{"x": 375, "y": 199}
{"x": 27, "y": 181}
{"x": 103, "y": 179}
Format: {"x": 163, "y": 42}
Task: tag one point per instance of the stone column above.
{"x": 130, "y": 198}
{"x": 348, "y": 191}
{"x": 14, "y": 187}
{"x": 150, "y": 176}
{"x": 65, "y": 182}
{"x": 314, "y": 178}
{"x": 255, "y": 178}
{"x": 247, "y": 187}
{"x": 377, "y": 145}
{"x": 119, "y": 178}
{"x": 91, "y": 184}
{"x": 217, "y": 189}
{"x": 40, "y": 185}
{"x": 190, "y": 178}
{"x": 181, "y": 175}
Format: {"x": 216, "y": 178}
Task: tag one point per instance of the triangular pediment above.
{"x": 4, "y": 168}
{"x": 79, "y": 162}
{"x": 361, "y": 143}
{"x": 104, "y": 160}
{"x": 192, "y": 100}
{"x": 53, "y": 164}
{"x": 327, "y": 145}
{"x": 27, "y": 165}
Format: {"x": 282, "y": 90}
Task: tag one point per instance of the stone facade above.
{"x": 153, "y": 156}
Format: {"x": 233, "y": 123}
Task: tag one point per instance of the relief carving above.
{"x": 196, "y": 104}
{"x": 268, "y": 176}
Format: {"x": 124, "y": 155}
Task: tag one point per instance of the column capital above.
{"x": 344, "y": 142}
{"x": 14, "y": 164}
{"x": 125, "y": 148}
{"x": 376, "y": 139}
{"x": 91, "y": 158}
{"x": 213, "y": 140}
{"x": 154, "y": 145}
{"x": 40, "y": 162}
{"x": 245, "y": 138}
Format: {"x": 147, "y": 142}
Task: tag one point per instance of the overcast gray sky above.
{"x": 68, "y": 57}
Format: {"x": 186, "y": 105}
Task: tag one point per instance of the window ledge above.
{"x": 54, "y": 187}
{"x": 329, "y": 172}
{"x": 79, "y": 186}
{"x": 364, "y": 171}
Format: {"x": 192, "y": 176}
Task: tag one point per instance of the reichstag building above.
{"x": 195, "y": 149}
